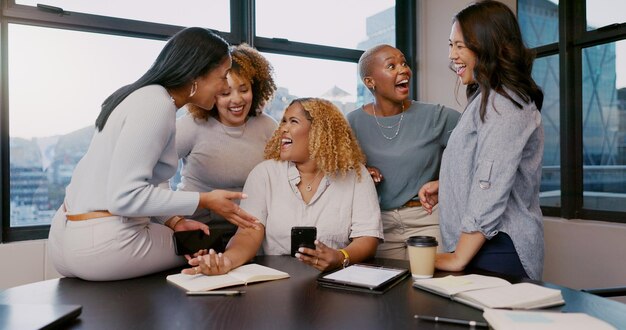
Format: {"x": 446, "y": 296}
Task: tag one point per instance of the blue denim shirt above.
{"x": 490, "y": 177}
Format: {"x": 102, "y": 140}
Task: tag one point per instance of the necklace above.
{"x": 381, "y": 126}
{"x": 243, "y": 131}
{"x": 308, "y": 186}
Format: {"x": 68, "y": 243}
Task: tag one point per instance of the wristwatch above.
{"x": 346, "y": 258}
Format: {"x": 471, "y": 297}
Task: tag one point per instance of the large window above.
{"x": 54, "y": 98}
{"x": 583, "y": 74}
{"x": 60, "y": 63}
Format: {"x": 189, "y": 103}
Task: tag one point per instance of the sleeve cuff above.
{"x": 470, "y": 225}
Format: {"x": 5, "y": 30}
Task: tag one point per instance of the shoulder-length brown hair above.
{"x": 331, "y": 141}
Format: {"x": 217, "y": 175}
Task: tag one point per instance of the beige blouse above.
{"x": 342, "y": 208}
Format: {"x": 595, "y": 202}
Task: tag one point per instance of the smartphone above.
{"x": 191, "y": 241}
{"x": 302, "y": 237}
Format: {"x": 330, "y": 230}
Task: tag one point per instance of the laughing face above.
{"x": 233, "y": 104}
{"x": 463, "y": 59}
{"x": 294, "y": 128}
{"x": 390, "y": 74}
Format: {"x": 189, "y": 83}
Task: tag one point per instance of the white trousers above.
{"x": 400, "y": 224}
{"x": 110, "y": 248}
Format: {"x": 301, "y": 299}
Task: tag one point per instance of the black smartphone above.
{"x": 302, "y": 237}
{"x": 191, "y": 241}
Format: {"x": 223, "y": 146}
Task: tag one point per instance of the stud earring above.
{"x": 194, "y": 88}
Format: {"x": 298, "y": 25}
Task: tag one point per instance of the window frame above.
{"x": 573, "y": 38}
{"x": 242, "y": 26}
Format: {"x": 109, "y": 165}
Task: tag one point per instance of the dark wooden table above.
{"x": 151, "y": 302}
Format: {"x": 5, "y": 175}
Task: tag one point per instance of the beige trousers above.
{"x": 400, "y": 224}
{"x": 110, "y": 248}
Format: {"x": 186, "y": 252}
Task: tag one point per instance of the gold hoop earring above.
{"x": 194, "y": 88}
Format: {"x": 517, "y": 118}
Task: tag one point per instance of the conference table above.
{"x": 150, "y": 302}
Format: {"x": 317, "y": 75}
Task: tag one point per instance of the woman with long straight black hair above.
{"x": 118, "y": 216}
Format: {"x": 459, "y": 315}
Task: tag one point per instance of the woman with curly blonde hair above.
{"x": 219, "y": 147}
{"x": 313, "y": 176}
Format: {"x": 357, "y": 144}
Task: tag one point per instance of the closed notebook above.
{"x": 242, "y": 275}
{"x": 534, "y": 320}
{"x": 481, "y": 292}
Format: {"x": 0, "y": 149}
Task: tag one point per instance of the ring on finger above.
{"x": 196, "y": 269}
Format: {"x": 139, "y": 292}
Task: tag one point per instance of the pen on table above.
{"x": 454, "y": 321}
{"x": 216, "y": 293}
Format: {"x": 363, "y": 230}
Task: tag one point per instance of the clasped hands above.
{"x": 208, "y": 263}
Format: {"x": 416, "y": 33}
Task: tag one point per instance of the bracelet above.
{"x": 173, "y": 221}
{"x": 346, "y": 258}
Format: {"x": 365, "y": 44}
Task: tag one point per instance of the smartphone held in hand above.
{"x": 302, "y": 237}
{"x": 191, "y": 241}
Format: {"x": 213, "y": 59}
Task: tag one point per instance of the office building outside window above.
{"x": 602, "y": 87}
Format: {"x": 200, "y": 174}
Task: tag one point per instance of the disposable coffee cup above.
{"x": 422, "y": 251}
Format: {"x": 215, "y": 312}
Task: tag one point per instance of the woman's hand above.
{"x": 209, "y": 264}
{"x": 322, "y": 258}
{"x": 220, "y": 201}
{"x": 449, "y": 262}
{"x": 468, "y": 245}
{"x": 429, "y": 195}
{"x": 375, "y": 173}
{"x": 188, "y": 224}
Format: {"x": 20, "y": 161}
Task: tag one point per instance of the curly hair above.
{"x": 249, "y": 65}
{"x": 492, "y": 32}
{"x": 331, "y": 141}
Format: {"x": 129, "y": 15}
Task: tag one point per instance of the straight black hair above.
{"x": 189, "y": 54}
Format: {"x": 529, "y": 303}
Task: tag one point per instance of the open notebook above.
{"x": 242, "y": 275}
{"x": 481, "y": 292}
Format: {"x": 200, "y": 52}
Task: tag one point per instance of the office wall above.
{"x": 25, "y": 262}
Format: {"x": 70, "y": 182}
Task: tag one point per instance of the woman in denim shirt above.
{"x": 491, "y": 169}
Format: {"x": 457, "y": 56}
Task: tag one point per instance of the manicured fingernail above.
{"x": 244, "y": 196}
{"x": 301, "y": 249}
{"x": 298, "y": 255}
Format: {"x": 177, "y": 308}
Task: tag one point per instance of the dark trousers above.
{"x": 498, "y": 255}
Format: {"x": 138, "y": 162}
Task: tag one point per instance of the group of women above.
{"x": 395, "y": 168}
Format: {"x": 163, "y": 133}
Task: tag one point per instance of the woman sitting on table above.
{"x": 220, "y": 146}
{"x": 116, "y": 221}
{"x": 314, "y": 176}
